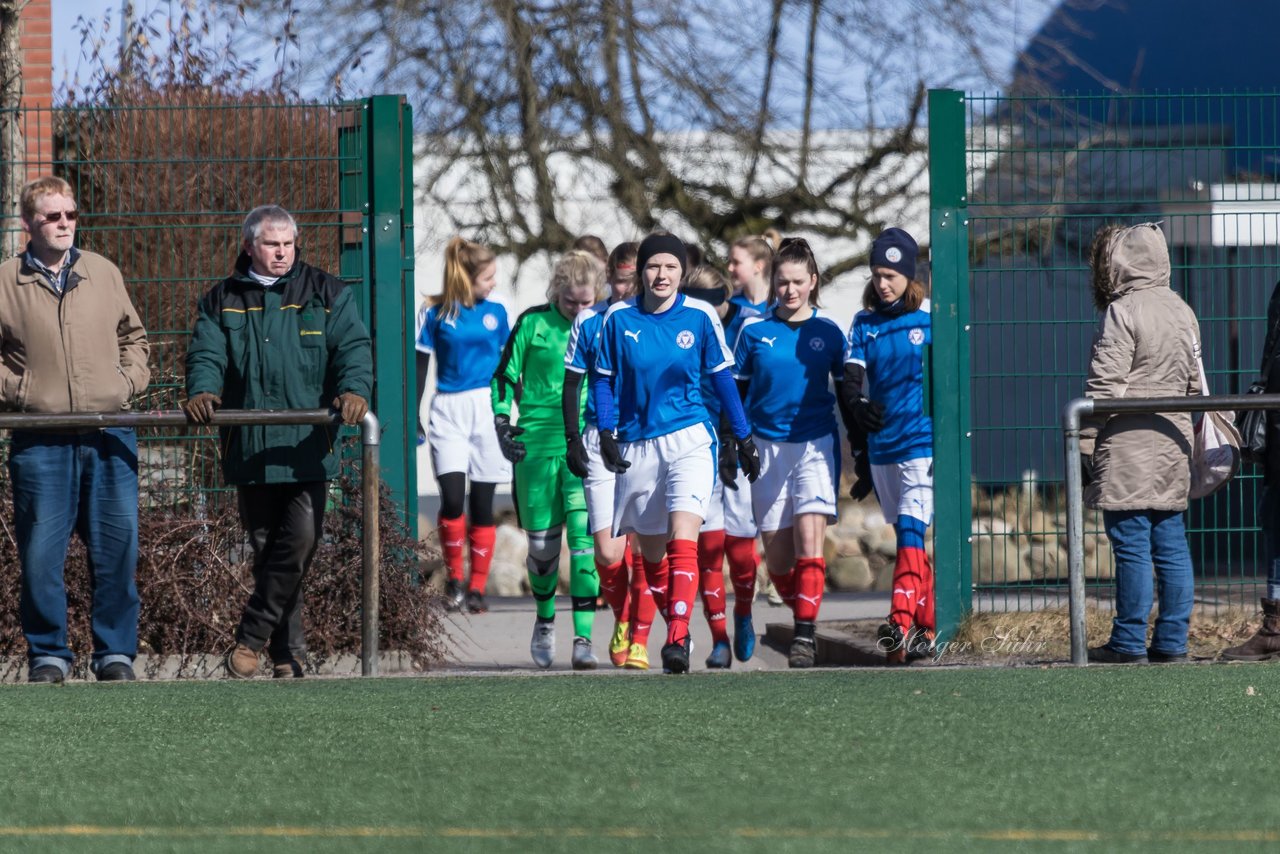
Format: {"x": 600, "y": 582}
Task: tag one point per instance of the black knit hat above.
{"x": 657, "y": 244}
{"x": 897, "y": 250}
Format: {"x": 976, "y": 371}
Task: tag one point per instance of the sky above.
{"x": 67, "y": 59}
{"x": 67, "y": 38}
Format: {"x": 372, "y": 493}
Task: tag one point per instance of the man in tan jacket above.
{"x": 71, "y": 341}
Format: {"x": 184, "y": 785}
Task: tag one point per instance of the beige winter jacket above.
{"x": 1147, "y": 345}
{"x": 85, "y": 352}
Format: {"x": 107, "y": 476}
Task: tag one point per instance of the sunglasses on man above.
{"x": 57, "y": 216}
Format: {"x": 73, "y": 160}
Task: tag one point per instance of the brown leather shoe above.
{"x": 242, "y": 662}
{"x": 1265, "y": 643}
{"x": 291, "y": 669}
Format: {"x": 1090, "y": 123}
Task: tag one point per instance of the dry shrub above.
{"x": 194, "y": 577}
{"x": 1045, "y": 635}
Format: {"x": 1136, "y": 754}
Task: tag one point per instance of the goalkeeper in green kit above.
{"x": 548, "y": 496}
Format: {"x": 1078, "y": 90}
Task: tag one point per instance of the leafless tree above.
{"x": 718, "y": 118}
{"x": 12, "y": 143}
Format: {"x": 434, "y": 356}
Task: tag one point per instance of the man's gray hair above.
{"x": 262, "y": 215}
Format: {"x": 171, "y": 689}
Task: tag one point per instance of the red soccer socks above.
{"x": 480, "y": 540}
{"x": 453, "y": 536}
{"x": 743, "y": 563}
{"x": 711, "y": 572}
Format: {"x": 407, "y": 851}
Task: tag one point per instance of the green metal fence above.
{"x": 1019, "y": 186}
{"x": 163, "y": 189}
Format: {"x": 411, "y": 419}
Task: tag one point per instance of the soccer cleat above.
{"x": 637, "y": 657}
{"x": 919, "y": 643}
{"x": 804, "y": 653}
{"x": 720, "y": 657}
{"x": 619, "y": 643}
{"x": 890, "y": 641}
{"x": 744, "y": 637}
{"x": 584, "y": 658}
{"x": 543, "y": 644}
{"x": 476, "y": 603}
{"x": 675, "y": 656}
{"x": 453, "y": 595}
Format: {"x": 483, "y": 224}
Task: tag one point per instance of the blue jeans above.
{"x": 1269, "y": 521}
{"x": 1139, "y": 540}
{"x": 84, "y": 483}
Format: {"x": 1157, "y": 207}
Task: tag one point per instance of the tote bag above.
{"x": 1215, "y": 449}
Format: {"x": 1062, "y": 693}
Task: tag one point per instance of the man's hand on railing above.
{"x": 200, "y": 408}
{"x": 352, "y": 406}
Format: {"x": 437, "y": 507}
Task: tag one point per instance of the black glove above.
{"x": 748, "y": 458}
{"x": 512, "y": 449}
{"x": 728, "y": 465}
{"x": 1086, "y": 469}
{"x": 868, "y": 415}
{"x": 610, "y": 454}
{"x": 577, "y": 457}
{"x": 862, "y": 484}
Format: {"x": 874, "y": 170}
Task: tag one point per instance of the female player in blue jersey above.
{"x": 751, "y": 273}
{"x": 892, "y": 439}
{"x": 706, "y": 283}
{"x": 466, "y": 331}
{"x": 654, "y": 351}
{"x": 785, "y": 362}
{"x": 628, "y": 598}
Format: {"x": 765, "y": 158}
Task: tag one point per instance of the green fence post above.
{"x": 949, "y": 256}
{"x": 388, "y": 156}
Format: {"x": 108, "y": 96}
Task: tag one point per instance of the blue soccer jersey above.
{"x": 656, "y": 363}
{"x": 740, "y": 311}
{"x": 467, "y": 347}
{"x": 892, "y": 349}
{"x": 584, "y": 347}
{"x": 789, "y": 368}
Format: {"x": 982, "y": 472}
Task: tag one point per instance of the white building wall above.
{"x": 588, "y": 210}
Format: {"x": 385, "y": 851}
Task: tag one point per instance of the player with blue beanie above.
{"x": 892, "y": 439}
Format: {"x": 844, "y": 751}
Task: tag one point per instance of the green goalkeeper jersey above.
{"x": 534, "y": 358}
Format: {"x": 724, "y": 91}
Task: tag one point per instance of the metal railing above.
{"x": 1082, "y": 407}
{"x": 369, "y": 437}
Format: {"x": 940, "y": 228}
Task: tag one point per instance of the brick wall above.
{"x": 36, "y": 42}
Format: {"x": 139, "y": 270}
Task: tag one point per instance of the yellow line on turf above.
{"x": 358, "y": 832}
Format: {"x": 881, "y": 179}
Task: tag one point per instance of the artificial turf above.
{"x": 1102, "y": 759}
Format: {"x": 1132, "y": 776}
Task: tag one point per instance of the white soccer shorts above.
{"x": 462, "y": 438}
{"x": 730, "y": 509}
{"x": 670, "y": 473}
{"x": 598, "y": 485}
{"x": 905, "y": 489}
{"x": 795, "y": 478}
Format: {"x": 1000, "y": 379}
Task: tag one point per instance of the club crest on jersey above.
{"x": 490, "y": 322}
{"x": 684, "y": 340}
{"x": 816, "y": 344}
{"x": 916, "y": 336}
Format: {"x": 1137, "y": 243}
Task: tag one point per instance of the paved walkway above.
{"x": 499, "y": 640}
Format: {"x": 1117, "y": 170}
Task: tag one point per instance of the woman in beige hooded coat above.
{"x": 1147, "y": 345}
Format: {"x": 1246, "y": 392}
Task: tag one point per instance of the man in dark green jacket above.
{"x": 278, "y": 334}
